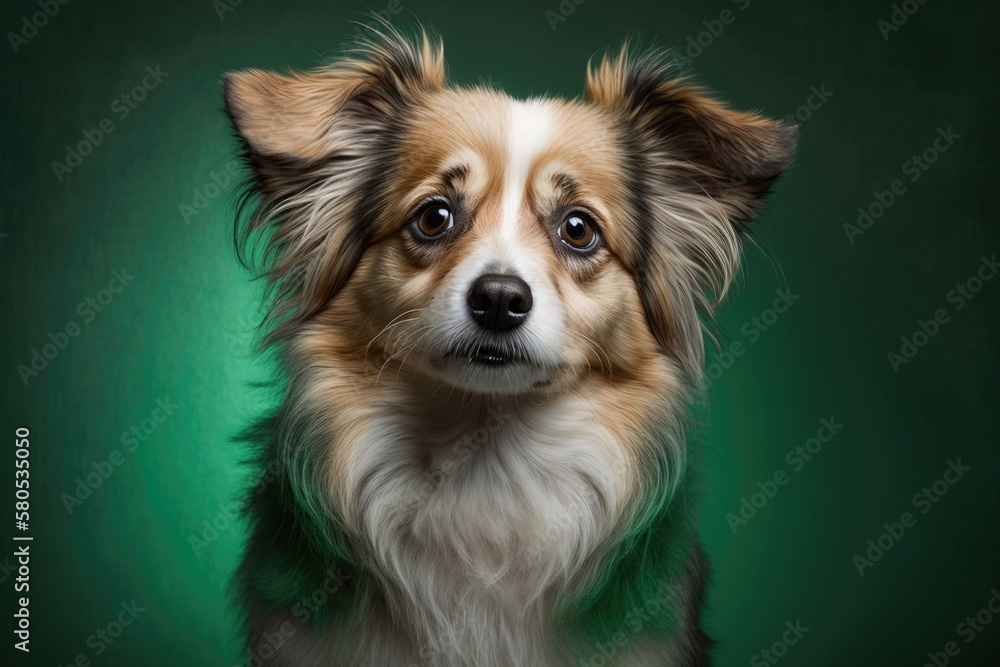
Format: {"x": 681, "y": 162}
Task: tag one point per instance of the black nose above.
{"x": 499, "y": 302}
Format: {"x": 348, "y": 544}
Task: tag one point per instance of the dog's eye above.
{"x": 578, "y": 231}
{"x": 436, "y": 219}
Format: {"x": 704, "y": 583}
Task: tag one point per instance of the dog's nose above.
{"x": 499, "y": 302}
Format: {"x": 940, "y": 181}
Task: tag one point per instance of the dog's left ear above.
{"x": 696, "y": 172}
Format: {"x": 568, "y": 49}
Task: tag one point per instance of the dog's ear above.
{"x": 286, "y": 116}
{"x": 301, "y": 117}
{"x": 321, "y": 146}
{"x": 696, "y": 172}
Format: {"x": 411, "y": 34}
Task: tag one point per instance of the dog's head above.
{"x": 497, "y": 245}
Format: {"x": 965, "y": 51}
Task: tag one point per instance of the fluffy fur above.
{"x": 415, "y": 507}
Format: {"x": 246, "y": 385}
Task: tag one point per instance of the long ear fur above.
{"x": 697, "y": 172}
{"x": 321, "y": 147}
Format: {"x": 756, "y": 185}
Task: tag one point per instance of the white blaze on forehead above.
{"x": 530, "y": 130}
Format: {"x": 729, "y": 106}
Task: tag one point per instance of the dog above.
{"x": 488, "y": 316}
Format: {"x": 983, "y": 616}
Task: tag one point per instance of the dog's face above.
{"x": 498, "y": 271}
{"x": 495, "y": 245}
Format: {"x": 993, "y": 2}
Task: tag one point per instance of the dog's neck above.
{"x": 478, "y": 512}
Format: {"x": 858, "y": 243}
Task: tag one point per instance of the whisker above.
{"x": 599, "y": 349}
{"x": 392, "y": 323}
{"x": 426, "y": 330}
{"x": 402, "y": 348}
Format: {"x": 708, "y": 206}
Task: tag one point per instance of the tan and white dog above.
{"x": 487, "y": 315}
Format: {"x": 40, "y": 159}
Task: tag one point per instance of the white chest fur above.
{"x": 477, "y": 523}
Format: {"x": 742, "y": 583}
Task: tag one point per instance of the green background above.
{"x": 181, "y": 329}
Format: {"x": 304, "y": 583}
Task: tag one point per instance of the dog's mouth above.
{"x": 492, "y": 366}
{"x": 488, "y": 355}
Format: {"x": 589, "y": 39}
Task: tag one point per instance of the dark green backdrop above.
{"x": 143, "y": 202}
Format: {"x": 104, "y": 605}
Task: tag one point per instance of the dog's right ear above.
{"x": 305, "y": 118}
{"x": 320, "y": 145}
{"x": 286, "y": 117}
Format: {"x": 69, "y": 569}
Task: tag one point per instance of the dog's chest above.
{"x": 481, "y": 521}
